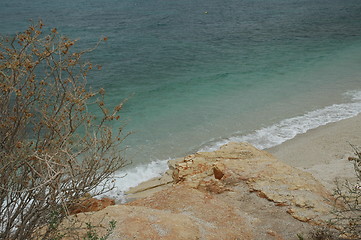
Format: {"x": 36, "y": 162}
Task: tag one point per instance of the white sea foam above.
{"x": 262, "y": 138}
{"x": 354, "y": 95}
{"x": 134, "y": 176}
{"x": 287, "y": 129}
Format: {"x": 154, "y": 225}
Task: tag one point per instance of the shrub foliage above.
{"x": 53, "y": 152}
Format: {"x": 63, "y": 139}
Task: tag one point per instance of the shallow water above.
{"x": 201, "y": 73}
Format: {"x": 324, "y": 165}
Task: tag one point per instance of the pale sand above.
{"x": 323, "y": 151}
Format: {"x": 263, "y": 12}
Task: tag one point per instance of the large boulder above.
{"x": 306, "y": 199}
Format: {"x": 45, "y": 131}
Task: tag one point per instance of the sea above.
{"x": 200, "y": 73}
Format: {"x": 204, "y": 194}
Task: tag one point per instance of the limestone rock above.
{"x": 135, "y": 223}
{"x": 218, "y": 171}
{"x": 176, "y": 214}
{"x": 214, "y": 218}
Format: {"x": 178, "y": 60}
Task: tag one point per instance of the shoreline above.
{"x": 323, "y": 151}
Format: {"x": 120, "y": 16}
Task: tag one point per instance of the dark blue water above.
{"x": 199, "y": 73}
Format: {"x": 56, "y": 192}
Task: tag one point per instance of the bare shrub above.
{"x": 348, "y": 217}
{"x": 346, "y": 222}
{"x": 53, "y": 151}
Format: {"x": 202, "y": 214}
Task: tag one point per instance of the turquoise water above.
{"x": 202, "y": 73}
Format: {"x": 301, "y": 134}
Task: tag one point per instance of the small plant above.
{"x": 300, "y": 236}
{"x": 53, "y": 224}
{"x": 91, "y": 234}
{"x": 324, "y": 233}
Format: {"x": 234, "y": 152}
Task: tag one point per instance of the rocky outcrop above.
{"x": 215, "y": 218}
{"x": 237, "y": 192}
{"x": 175, "y": 213}
{"x": 306, "y": 199}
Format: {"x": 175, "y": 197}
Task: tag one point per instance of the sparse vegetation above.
{"x": 93, "y": 235}
{"x": 348, "y": 217}
{"x": 346, "y": 223}
{"x": 53, "y": 151}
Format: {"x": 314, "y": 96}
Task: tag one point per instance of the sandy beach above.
{"x": 323, "y": 151}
